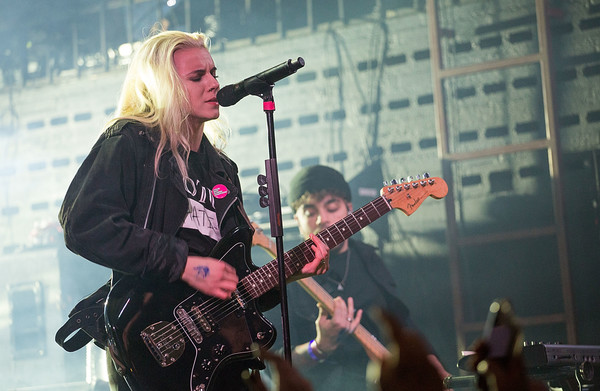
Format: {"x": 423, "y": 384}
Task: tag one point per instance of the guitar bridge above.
{"x": 165, "y": 341}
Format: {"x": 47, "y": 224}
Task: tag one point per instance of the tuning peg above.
{"x": 402, "y": 180}
{"x": 385, "y": 183}
{"x": 426, "y": 175}
{"x": 418, "y": 177}
{"x": 263, "y": 191}
{"x": 394, "y": 182}
{"x": 409, "y": 178}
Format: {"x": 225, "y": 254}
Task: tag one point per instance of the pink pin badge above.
{"x": 220, "y": 191}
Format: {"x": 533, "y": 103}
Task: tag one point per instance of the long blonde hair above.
{"x": 153, "y": 94}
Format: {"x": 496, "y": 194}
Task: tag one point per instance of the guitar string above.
{"x": 229, "y": 306}
{"x": 371, "y": 205}
{"x": 232, "y": 305}
{"x": 255, "y": 285}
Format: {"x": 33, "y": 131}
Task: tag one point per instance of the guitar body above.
{"x": 172, "y": 337}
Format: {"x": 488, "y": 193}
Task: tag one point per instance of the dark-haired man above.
{"x": 357, "y": 279}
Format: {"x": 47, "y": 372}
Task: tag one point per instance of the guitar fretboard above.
{"x": 266, "y": 278}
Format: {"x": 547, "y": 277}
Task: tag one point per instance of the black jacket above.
{"x": 116, "y": 213}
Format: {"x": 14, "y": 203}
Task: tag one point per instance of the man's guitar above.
{"x": 374, "y": 348}
{"x": 171, "y": 337}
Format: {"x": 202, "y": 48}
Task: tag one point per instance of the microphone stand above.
{"x": 265, "y": 91}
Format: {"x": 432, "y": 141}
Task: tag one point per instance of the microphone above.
{"x": 254, "y": 85}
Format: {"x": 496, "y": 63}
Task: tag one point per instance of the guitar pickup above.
{"x": 201, "y": 320}
{"x": 189, "y": 325}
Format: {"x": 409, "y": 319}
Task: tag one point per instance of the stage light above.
{"x": 125, "y": 50}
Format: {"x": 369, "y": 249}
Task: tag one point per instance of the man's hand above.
{"x": 342, "y": 322}
{"x": 320, "y": 264}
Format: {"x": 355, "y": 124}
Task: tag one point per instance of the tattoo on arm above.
{"x": 202, "y": 271}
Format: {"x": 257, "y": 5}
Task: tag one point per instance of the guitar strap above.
{"x": 85, "y": 323}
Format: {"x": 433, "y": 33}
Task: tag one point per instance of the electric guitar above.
{"x": 171, "y": 337}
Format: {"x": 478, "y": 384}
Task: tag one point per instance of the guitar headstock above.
{"x": 407, "y": 195}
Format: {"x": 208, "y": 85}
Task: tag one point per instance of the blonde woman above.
{"x": 153, "y": 201}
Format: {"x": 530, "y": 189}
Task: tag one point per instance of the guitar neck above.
{"x": 375, "y": 349}
{"x": 267, "y": 277}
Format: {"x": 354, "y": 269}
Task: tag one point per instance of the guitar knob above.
{"x": 260, "y": 335}
{"x": 219, "y": 349}
{"x": 206, "y": 364}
